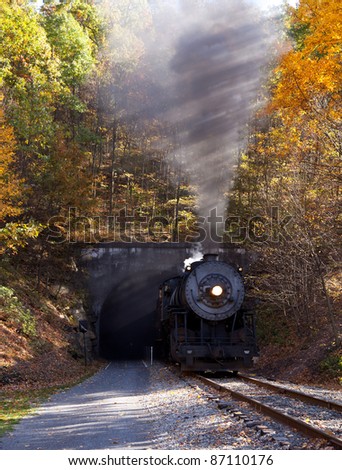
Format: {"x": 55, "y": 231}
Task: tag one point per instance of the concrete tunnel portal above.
{"x": 124, "y": 280}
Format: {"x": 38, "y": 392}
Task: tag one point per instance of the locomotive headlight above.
{"x": 217, "y": 291}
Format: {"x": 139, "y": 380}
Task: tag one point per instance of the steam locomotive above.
{"x": 203, "y": 324}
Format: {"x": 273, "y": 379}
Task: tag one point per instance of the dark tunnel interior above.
{"x": 128, "y": 320}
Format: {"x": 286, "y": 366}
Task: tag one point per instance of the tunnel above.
{"x": 128, "y": 319}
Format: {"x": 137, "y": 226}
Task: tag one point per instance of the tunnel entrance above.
{"x": 128, "y": 318}
{"x": 123, "y": 281}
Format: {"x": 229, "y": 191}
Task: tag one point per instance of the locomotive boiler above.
{"x": 203, "y": 322}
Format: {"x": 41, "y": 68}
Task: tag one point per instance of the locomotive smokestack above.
{"x": 210, "y": 257}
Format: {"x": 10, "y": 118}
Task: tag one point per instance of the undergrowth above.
{"x": 331, "y": 366}
{"x": 15, "y": 312}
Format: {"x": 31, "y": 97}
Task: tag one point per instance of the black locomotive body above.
{"x": 203, "y": 323}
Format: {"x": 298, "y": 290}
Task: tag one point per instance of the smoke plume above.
{"x": 217, "y": 73}
{"x": 201, "y": 74}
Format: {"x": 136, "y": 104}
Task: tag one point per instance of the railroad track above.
{"x": 286, "y": 399}
{"x": 331, "y": 405}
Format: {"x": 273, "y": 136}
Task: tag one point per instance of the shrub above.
{"x": 332, "y": 366}
{"x": 13, "y": 311}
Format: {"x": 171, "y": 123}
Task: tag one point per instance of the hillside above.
{"x": 40, "y": 343}
{"x": 316, "y": 362}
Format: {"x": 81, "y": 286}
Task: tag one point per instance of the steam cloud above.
{"x": 196, "y": 255}
{"x": 218, "y": 67}
{"x": 206, "y": 60}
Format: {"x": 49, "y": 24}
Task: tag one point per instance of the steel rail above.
{"x": 273, "y": 413}
{"x": 293, "y": 393}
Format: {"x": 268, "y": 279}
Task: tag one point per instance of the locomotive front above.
{"x": 214, "y": 290}
{"x": 203, "y": 323}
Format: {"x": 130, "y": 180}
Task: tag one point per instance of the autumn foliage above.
{"x": 291, "y": 172}
{"x": 10, "y": 192}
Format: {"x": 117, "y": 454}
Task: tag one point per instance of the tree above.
{"x": 293, "y": 165}
{"x": 29, "y": 81}
{"x": 13, "y": 234}
{"x": 10, "y": 185}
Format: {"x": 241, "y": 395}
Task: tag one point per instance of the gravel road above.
{"x": 129, "y": 406}
{"x": 104, "y": 412}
